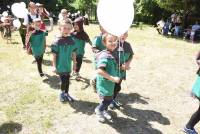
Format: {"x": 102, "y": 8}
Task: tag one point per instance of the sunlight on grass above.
{"x": 161, "y": 74}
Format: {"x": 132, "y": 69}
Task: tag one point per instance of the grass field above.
{"x": 156, "y": 94}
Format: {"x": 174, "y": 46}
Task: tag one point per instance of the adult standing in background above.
{"x": 63, "y": 15}
{"x": 177, "y": 26}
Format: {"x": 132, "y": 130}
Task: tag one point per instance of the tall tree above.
{"x": 147, "y": 11}
{"x": 184, "y": 7}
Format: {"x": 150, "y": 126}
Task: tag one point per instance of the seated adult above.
{"x": 195, "y": 31}
{"x": 177, "y": 31}
{"x": 166, "y": 28}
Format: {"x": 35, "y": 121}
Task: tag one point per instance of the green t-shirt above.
{"x": 80, "y": 45}
{"x": 106, "y": 61}
{"x": 63, "y": 47}
{"x": 37, "y": 42}
{"x": 124, "y": 52}
{"x": 98, "y": 44}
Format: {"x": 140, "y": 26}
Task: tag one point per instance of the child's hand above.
{"x": 116, "y": 79}
{"x": 125, "y": 67}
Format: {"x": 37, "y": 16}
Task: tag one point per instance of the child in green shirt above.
{"x": 97, "y": 46}
{"x": 124, "y": 55}
{"x": 63, "y": 50}
{"x": 81, "y": 37}
{"x": 37, "y": 43}
{"x": 195, "y": 118}
{"x": 106, "y": 77}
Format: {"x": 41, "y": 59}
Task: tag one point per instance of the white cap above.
{"x": 38, "y": 4}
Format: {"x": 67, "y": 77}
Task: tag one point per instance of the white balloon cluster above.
{"x": 19, "y": 9}
{"x": 5, "y": 14}
{"x": 17, "y": 23}
{"x": 115, "y": 16}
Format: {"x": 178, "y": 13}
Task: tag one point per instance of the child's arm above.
{"x": 129, "y": 60}
{"x": 74, "y": 61}
{"x": 126, "y": 65}
{"x": 103, "y": 73}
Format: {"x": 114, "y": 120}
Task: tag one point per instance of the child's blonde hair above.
{"x": 65, "y": 22}
{"x": 105, "y": 35}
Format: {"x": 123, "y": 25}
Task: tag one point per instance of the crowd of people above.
{"x": 172, "y": 26}
{"x": 113, "y": 55}
{"x": 5, "y": 25}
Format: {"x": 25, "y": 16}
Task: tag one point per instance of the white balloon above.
{"x": 5, "y": 14}
{"x": 23, "y": 5}
{"x": 115, "y": 16}
{"x": 2, "y": 19}
{"x": 17, "y": 23}
{"x": 18, "y": 10}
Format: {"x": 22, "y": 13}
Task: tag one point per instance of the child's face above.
{"x": 64, "y": 15}
{"x": 124, "y": 36}
{"x": 37, "y": 25}
{"x": 33, "y": 8}
{"x": 110, "y": 42}
{"x": 65, "y": 29}
{"x": 76, "y": 27}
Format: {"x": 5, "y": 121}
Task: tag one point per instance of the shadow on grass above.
{"x": 84, "y": 80}
{"x": 84, "y": 107}
{"x": 87, "y": 61}
{"x": 15, "y": 43}
{"x": 52, "y": 81}
{"x": 137, "y": 121}
{"x": 10, "y": 128}
{"x": 47, "y": 62}
{"x": 132, "y": 98}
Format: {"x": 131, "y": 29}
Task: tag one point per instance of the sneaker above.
{"x": 73, "y": 73}
{"x": 99, "y": 115}
{"x": 63, "y": 98}
{"x": 118, "y": 103}
{"x": 77, "y": 76}
{"x": 115, "y": 104}
{"x": 42, "y": 74}
{"x": 107, "y": 115}
{"x": 69, "y": 97}
{"x": 189, "y": 131}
